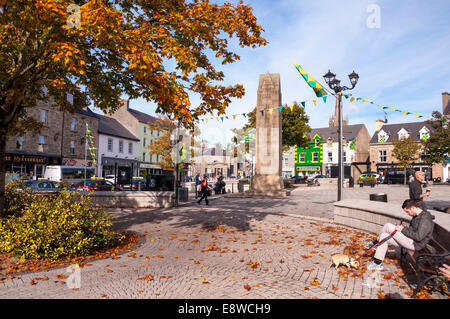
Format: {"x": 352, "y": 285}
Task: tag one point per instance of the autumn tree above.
{"x": 294, "y": 125}
{"x": 405, "y": 151}
{"x": 99, "y": 50}
{"x": 437, "y": 145}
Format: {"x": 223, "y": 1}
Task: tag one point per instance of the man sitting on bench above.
{"x": 412, "y": 238}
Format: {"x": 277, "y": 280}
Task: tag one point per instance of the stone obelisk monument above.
{"x": 267, "y": 180}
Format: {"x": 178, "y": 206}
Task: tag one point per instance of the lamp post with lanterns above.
{"x": 335, "y": 85}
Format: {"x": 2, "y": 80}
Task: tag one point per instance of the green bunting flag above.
{"x": 316, "y": 86}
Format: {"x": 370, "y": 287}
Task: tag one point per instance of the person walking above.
{"x": 204, "y": 190}
{"x": 198, "y": 182}
{"x": 415, "y": 189}
{"x": 412, "y": 238}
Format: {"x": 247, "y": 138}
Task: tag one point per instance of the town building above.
{"x": 136, "y": 123}
{"x": 321, "y": 157}
{"x": 381, "y": 147}
{"x": 74, "y": 128}
{"x": 288, "y": 163}
{"x": 215, "y": 161}
{"x": 61, "y": 141}
{"x": 117, "y": 150}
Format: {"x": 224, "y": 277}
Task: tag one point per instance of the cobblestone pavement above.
{"x": 233, "y": 248}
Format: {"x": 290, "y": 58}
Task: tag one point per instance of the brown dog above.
{"x": 343, "y": 259}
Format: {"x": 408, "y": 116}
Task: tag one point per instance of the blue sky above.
{"x": 405, "y": 62}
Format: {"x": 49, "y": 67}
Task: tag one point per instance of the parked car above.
{"x": 93, "y": 185}
{"x": 43, "y": 186}
{"x": 110, "y": 178}
{"x": 367, "y": 178}
{"x": 298, "y": 180}
{"x": 138, "y": 183}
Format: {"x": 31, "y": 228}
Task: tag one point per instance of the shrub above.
{"x": 17, "y": 196}
{"x": 55, "y": 226}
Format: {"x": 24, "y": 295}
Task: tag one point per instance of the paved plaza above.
{"x": 242, "y": 248}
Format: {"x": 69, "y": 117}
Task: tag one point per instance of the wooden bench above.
{"x": 426, "y": 262}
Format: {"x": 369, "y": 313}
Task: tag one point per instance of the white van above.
{"x": 71, "y": 174}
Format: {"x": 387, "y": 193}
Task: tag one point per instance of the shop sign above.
{"x": 26, "y": 159}
{"x": 308, "y": 168}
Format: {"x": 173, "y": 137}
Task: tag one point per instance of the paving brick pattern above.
{"x": 233, "y": 248}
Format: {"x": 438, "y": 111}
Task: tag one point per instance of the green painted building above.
{"x": 309, "y": 160}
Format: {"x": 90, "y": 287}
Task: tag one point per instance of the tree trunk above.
{"x": 405, "y": 177}
{"x": 2, "y": 171}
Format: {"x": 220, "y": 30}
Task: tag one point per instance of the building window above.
{"x": 130, "y": 148}
{"x": 73, "y": 124}
{"x": 72, "y": 147}
{"x": 43, "y": 116}
{"x": 330, "y": 157}
{"x": 120, "y": 146}
{"x": 145, "y": 141}
{"x": 382, "y": 156}
{"x": 344, "y": 156}
{"x": 145, "y": 129}
{"x": 143, "y": 157}
{"x": 317, "y": 143}
{"x": 302, "y": 158}
{"x": 110, "y": 144}
{"x": 41, "y": 143}
{"x": 315, "y": 157}
{"x": 44, "y": 91}
{"x": 19, "y": 143}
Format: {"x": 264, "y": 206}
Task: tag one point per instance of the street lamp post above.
{"x": 335, "y": 85}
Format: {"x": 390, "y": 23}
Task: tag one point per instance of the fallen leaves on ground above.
{"x": 146, "y": 278}
{"x": 12, "y": 265}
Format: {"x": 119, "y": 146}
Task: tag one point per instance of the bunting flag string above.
{"x": 314, "y": 101}
{"x": 90, "y": 143}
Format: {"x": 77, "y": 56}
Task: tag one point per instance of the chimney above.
{"x": 445, "y": 103}
{"x": 379, "y": 124}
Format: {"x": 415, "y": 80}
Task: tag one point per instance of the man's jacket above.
{"x": 420, "y": 229}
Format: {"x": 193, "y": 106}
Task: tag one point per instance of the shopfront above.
{"x": 308, "y": 170}
{"x": 122, "y": 169}
{"x": 30, "y": 165}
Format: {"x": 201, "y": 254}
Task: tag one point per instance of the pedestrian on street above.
{"x": 204, "y": 190}
{"x": 415, "y": 189}
{"x": 198, "y": 182}
{"x": 412, "y": 238}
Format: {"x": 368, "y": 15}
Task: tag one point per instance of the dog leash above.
{"x": 382, "y": 241}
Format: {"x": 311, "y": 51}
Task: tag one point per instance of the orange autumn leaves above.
{"x": 114, "y": 51}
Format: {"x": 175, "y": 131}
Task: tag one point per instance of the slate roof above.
{"x": 142, "y": 117}
{"x": 110, "y": 126}
{"x": 349, "y": 132}
{"x": 392, "y": 130}
{"x": 86, "y": 112}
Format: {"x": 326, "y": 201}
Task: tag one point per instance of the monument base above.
{"x": 276, "y": 193}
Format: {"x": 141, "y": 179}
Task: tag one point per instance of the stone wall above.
{"x": 370, "y": 216}
{"x": 129, "y": 199}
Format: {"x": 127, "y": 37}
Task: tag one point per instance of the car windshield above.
{"x": 29, "y": 184}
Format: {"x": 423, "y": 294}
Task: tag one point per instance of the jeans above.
{"x": 398, "y": 240}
